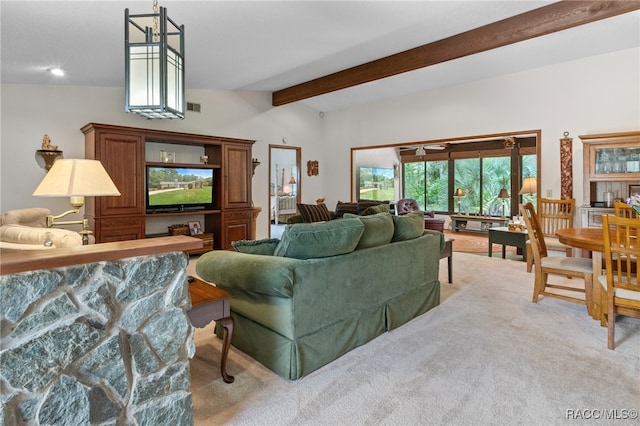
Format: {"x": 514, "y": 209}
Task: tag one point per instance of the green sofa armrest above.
{"x": 252, "y": 273}
{"x": 434, "y": 232}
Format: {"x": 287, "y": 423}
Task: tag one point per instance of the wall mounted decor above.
{"x": 48, "y": 152}
{"x": 566, "y": 167}
{"x": 312, "y": 168}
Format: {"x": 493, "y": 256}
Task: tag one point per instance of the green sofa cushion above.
{"x": 266, "y": 246}
{"x": 378, "y": 229}
{"x": 408, "y": 226}
{"x": 320, "y": 239}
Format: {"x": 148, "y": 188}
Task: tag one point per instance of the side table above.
{"x": 210, "y": 303}
{"x": 502, "y": 235}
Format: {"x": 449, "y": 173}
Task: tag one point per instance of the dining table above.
{"x": 589, "y": 240}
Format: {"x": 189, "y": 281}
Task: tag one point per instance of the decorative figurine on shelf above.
{"x": 46, "y": 144}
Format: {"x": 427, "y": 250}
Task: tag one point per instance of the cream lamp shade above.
{"x": 76, "y": 178}
{"x": 529, "y": 186}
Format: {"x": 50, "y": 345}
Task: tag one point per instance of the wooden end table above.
{"x": 447, "y": 251}
{"x": 210, "y": 303}
{"x": 502, "y": 235}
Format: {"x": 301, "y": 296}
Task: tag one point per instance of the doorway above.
{"x": 284, "y": 186}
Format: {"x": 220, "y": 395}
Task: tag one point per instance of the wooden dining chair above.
{"x": 621, "y": 291}
{"x": 553, "y": 215}
{"x": 555, "y": 265}
{"x": 622, "y": 209}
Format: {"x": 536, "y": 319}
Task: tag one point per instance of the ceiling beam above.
{"x": 535, "y": 23}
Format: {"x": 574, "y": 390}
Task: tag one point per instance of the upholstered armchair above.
{"x": 406, "y": 205}
{"x": 26, "y": 229}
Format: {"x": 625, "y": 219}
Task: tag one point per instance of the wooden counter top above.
{"x": 12, "y": 263}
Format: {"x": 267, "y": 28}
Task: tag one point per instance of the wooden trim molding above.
{"x": 535, "y": 23}
{"x": 12, "y": 263}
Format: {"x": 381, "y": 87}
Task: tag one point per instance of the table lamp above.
{"x": 529, "y": 186}
{"x": 458, "y": 194}
{"x": 76, "y": 179}
{"x": 503, "y": 195}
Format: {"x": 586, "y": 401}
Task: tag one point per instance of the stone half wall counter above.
{"x": 101, "y": 343}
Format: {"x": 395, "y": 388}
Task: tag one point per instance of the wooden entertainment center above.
{"x": 123, "y": 152}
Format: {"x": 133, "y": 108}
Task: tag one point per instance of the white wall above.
{"x": 594, "y": 95}
{"x": 28, "y": 112}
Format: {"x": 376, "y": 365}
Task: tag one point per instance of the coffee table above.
{"x": 210, "y": 303}
{"x": 502, "y": 235}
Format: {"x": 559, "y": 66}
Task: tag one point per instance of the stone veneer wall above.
{"x": 103, "y": 343}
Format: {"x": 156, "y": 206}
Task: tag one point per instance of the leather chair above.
{"x": 406, "y": 205}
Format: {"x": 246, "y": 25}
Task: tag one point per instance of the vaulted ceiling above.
{"x": 276, "y": 46}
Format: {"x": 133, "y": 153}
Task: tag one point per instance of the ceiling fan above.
{"x": 421, "y": 149}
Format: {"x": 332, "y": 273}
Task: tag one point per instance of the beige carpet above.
{"x": 486, "y": 355}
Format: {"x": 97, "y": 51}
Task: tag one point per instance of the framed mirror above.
{"x": 284, "y": 186}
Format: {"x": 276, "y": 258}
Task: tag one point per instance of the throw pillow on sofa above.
{"x": 408, "y": 226}
{"x": 266, "y": 246}
{"x": 314, "y": 212}
{"x": 380, "y": 208}
{"x": 365, "y": 204}
{"x": 378, "y": 229}
{"x": 321, "y": 239}
{"x": 342, "y": 208}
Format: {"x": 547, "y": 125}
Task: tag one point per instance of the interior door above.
{"x": 284, "y": 183}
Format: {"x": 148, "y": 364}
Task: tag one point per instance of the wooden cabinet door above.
{"x": 123, "y": 157}
{"x": 237, "y": 177}
{"x": 235, "y": 226}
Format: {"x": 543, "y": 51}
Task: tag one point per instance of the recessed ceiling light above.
{"x": 56, "y": 71}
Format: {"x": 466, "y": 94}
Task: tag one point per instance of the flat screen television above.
{"x": 177, "y": 188}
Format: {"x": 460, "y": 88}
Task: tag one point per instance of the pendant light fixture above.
{"x": 154, "y": 64}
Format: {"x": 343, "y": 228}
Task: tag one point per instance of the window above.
{"x": 529, "y": 169}
{"x": 496, "y": 174}
{"x": 481, "y": 166}
{"x": 481, "y": 178}
{"x": 467, "y": 177}
{"x": 427, "y": 183}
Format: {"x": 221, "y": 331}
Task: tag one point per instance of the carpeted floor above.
{"x": 486, "y": 355}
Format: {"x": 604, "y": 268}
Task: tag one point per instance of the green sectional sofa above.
{"x": 326, "y": 288}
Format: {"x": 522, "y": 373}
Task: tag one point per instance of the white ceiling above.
{"x": 264, "y": 45}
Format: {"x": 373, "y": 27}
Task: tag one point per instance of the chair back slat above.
{"x": 555, "y": 214}
{"x": 621, "y": 252}
{"x": 621, "y": 209}
{"x": 536, "y": 237}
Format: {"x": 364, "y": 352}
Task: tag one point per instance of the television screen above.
{"x": 376, "y": 183}
{"x": 172, "y": 188}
